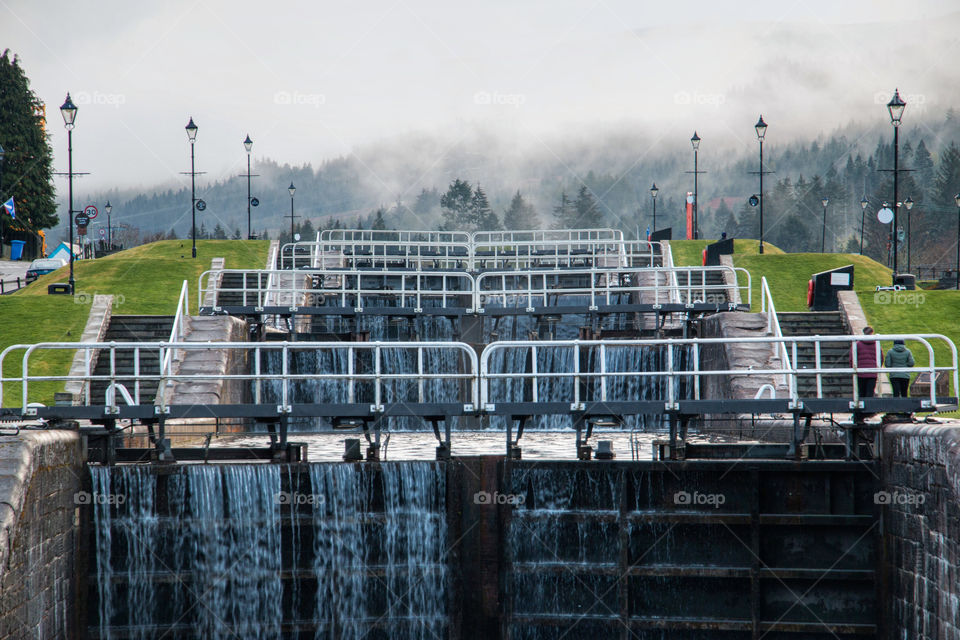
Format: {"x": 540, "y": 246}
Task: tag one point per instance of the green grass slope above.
{"x": 143, "y": 280}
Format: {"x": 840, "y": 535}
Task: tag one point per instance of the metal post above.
{"x": 193, "y": 200}
{"x": 760, "y": 250}
{"x": 2, "y": 222}
{"x": 70, "y": 202}
{"x": 109, "y": 234}
{"x": 958, "y": 248}
{"x": 896, "y": 202}
{"x": 654, "y": 213}
{"x": 248, "y": 196}
{"x": 696, "y": 196}
{"x": 291, "y": 217}
{"x": 823, "y": 231}
{"x": 863, "y": 213}
{"x": 909, "y": 250}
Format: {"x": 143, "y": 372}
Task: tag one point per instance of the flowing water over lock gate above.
{"x": 482, "y": 548}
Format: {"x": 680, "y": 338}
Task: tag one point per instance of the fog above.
{"x": 312, "y": 81}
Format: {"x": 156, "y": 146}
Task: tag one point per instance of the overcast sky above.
{"x": 313, "y": 80}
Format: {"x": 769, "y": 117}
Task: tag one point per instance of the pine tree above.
{"x": 378, "y": 223}
{"x": 520, "y": 214}
{"x": 219, "y": 233}
{"x": 456, "y": 205}
{"x": 565, "y": 215}
{"x": 587, "y": 211}
{"x": 482, "y": 214}
{"x": 27, "y": 166}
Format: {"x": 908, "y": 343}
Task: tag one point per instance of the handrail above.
{"x": 176, "y": 331}
{"x": 478, "y": 376}
{"x": 358, "y": 371}
{"x": 773, "y": 322}
{"x": 668, "y": 264}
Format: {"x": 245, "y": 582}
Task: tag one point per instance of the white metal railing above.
{"x": 672, "y": 373}
{"x": 773, "y": 323}
{"x": 345, "y": 288}
{"x": 668, "y": 264}
{"x": 547, "y": 254}
{"x": 597, "y": 362}
{"x": 606, "y": 286}
{"x": 512, "y": 236}
{"x": 386, "y": 235}
{"x": 314, "y": 288}
{"x": 177, "y": 331}
{"x": 361, "y": 363}
{"x": 377, "y": 254}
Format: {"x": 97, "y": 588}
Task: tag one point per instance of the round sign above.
{"x": 82, "y": 220}
{"x": 296, "y": 237}
{"x": 754, "y": 201}
{"x": 103, "y": 233}
{"x": 90, "y": 211}
{"x": 201, "y": 205}
{"x": 885, "y": 215}
{"x": 254, "y": 202}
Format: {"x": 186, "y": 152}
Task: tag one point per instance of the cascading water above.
{"x": 325, "y": 551}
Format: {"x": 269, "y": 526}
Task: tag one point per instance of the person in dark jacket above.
{"x": 868, "y": 356}
{"x": 899, "y": 356}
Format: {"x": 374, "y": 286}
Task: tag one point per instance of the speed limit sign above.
{"x": 90, "y": 211}
{"x": 103, "y": 234}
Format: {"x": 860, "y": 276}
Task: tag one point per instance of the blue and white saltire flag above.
{"x": 10, "y": 209}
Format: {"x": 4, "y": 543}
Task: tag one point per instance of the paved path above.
{"x": 10, "y": 270}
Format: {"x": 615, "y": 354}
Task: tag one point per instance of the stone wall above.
{"x": 40, "y": 475}
{"x": 921, "y": 476}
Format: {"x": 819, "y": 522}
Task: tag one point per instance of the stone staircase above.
{"x": 131, "y": 329}
{"x": 230, "y": 292}
{"x": 836, "y": 354}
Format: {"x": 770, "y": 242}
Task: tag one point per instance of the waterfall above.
{"x": 226, "y": 551}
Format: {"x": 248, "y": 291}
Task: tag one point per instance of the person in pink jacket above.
{"x": 868, "y": 356}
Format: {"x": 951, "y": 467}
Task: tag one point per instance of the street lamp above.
{"x": 69, "y": 112}
{"x": 191, "y": 129}
{"x": 653, "y": 194}
{"x": 761, "y": 128}
{"x": 863, "y": 207}
{"x": 291, "y": 190}
{"x": 895, "y": 107}
{"x": 108, "y": 208}
{"x": 823, "y": 231}
{"x": 2, "y": 154}
{"x": 695, "y": 142}
{"x": 956, "y": 199}
{"x": 248, "y": 145}
{"x": 908, "y": 203}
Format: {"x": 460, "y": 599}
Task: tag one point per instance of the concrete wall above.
{"x": 921, "y": 476}
{"x": 40, "y": 475}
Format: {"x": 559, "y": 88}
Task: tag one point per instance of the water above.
{"x": 226, "y": 551}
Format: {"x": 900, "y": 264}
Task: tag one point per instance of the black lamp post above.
{"x": 761, "y": 128}
{"x": 695, "y": 142}
{"x": 192, "y": 136}
{"x": 69, "y": 112}
{"x": 823, "y": 231}
{"x": 863, "y": 212}
{"x": 291, "y": 190}
{"x": 2, "y": 154}
{"x": 956, "y": 199}
{"x": 908, "y": 203}
{"x": 248, "y": 145}
{"x": 895, "y": 107}
{"x": 108, "y": 208}
{"x": 653, "y": 195}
